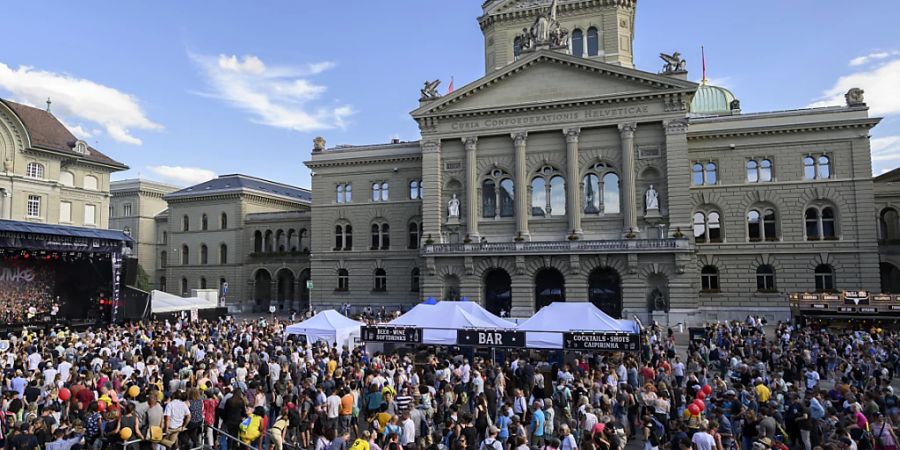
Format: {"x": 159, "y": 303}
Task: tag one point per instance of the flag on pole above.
{"x": 450, "y": 86}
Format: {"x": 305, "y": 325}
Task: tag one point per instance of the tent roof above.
{"x": 451, "y": 315}
{"x": 327, "y": 320}
{"x": 162, "y": 302}
{"x": 564, "y": 317}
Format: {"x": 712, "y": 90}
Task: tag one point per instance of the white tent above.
{"x": 440, "y": 321}
{"x": 545, "y": 329}
{"x": 329, "y": 326}
{"x": 162, "y": 302}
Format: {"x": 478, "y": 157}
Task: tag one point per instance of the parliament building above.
{"x": 563, "y": 174}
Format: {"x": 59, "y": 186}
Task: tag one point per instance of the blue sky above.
{"x": 181, "y": 91}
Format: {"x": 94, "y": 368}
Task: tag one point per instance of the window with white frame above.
{"x": 548, "y": 193}
{"x": 126, "y": 210}
{"x": 344, "y": 193}
{"x": 497, "y": 195}
{"x": 90, "y": 213}
{"x": 816, "y": 167}
{"x": 704, "y": 173}
{"x": 601, "y": 190}
{"x": 67, "y": 178}
{"x": 380, "y": 280}
{"x": 821, "y": 222}
{"x": 415, "y": 190}
{"x": 65, "y": 212}
{"x": 759, "y": 171}
{"x": 761, "y": 224}
{"x": 707, "y": 226}
{"x": 90, "y": 182}
{"x": 380, "y": 191}
{"x": 34, "y": 170}
{"x": 33, "y": 207}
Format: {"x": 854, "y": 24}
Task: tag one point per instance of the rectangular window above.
{"x": 126, "y": 210}
{"x": 33, "y": 207}
{"x": 89, "y": 214}
{"x": 65, "y": 212}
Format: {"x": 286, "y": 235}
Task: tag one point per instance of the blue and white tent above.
{"x": 440, "y": 321}
{"x": 545, "y": 329}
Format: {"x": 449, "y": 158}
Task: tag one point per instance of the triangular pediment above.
{"x": 547, "y": 78}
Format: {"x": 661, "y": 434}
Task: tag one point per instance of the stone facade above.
{"x": 887, "y": 210}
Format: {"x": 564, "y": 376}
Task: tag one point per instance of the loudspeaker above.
{"x": 129, "y": 271}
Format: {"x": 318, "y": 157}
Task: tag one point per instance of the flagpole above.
{"x": 703, "y": 56}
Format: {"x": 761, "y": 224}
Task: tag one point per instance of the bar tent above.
{"x": 546, "y": 327}
{"x": 163, "y": 302}
{"x": 329, "y": 326}
{"x": 439, "y": 322}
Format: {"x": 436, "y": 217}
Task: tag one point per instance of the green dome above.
{"x": 712, "y": 100}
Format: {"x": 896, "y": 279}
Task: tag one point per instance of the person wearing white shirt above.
{"x": 34, "y": 360}
{"x": 703, "y": 440}
{"x": 408, "y": 431}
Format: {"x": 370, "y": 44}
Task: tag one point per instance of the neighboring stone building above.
{"x": 565, "y": 174}
{"x": 887, "y": 207}
{"x": 133, "y": 208}
{"x": 48, "y": 175}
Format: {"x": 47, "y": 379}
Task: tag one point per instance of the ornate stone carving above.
{"x": 658, "y": 301}
{"x": 627, "y": 128}
{"x": 651, "y": 199}
{"x": 673, "y": 63}
{"x": 519, "y": 138}
{"x": 453, "y": 207}
{"x": 470, "y": 142}
{"x": 318, "y": 144}
{"x": 572, "y": 134}
{"x": 545, "y": 32}
{"x": 676, "y": 126}
{"x": 854, "y": 97}
{"x": 431, "y": 146}
{"x": 735, "y": 105}
{"x": 429, "y": 91}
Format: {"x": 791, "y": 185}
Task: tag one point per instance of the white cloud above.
{"x": 885, "y": 153}
{"x": 865, "y": 59}
{"x": 277, "y": 96}
{"x": 881, "y": 83}
{"x": 78, "y": 98}
{"x": 184, "y": 176}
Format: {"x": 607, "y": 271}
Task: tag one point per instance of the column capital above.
{"x": 676, "y": 126}
{"x": 627, "y": 129}
{"x": 470, "y": 142}
{"x": 571, "y": 134}
{"x": 433, "y": 146}
{"x": 519, "y": 137}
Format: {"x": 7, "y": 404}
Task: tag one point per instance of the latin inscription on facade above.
{"x": 543, "y": 119}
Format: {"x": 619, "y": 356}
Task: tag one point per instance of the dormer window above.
{"x": 81, "y": 147}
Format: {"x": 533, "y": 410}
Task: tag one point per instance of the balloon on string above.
{"x": 707, "y": 389}
{"x": 693, "y": 409}
{"x": 101, "y": 406}
{"x": 64, "y": 394}
{"x": 701, "y": 396}
{"x": 687, "y": 413}
{"x": 125, "y": 433}
{"x": 699, "y": 404}
{"x": 133, "y": 391}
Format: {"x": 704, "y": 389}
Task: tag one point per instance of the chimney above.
{"x": 395, "y": 140}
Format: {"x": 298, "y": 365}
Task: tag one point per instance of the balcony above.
{"x": 562, "y": 247}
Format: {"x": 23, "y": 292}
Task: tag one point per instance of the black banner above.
{"x": 491, "y": 338}
{"x": 395, "y": 335}
{"x": 615, "y": 342}
{"x": 61, "y": 244}
{"x": 697, "y": 334}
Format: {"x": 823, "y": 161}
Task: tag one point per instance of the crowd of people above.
{"x": 243, "y": 384}
{"x": 26, "y": 293}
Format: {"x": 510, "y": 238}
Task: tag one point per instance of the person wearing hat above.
{"x": 491, "y": 442}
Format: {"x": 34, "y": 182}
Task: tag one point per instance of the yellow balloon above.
{"x": 161, "y": 396}
{"x": 133, "y": 391}
{"x": 125, "y": 433}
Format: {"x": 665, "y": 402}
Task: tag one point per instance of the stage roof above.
{"x": 14, "y": 226}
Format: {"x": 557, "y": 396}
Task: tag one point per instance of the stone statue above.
{"x": 854, "y": 97}
{"x": 429, "y": 91}
{"x": 674, "y": 63}
{"x": 318, "y": 144}
{"x": 545, "y": 31}
{"x": 8, "y": 165}
{"x": 658, "y": 301}
{"x": 453, "y": 207}
{"x": 651, "y": 198}
{"x": 735, "y": 105}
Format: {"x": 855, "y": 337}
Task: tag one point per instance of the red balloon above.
{"x": 64, "y": 394}
{"x": 707, "y": 389}
{"x": 694, "y": 409}
{"x": 699, "y": 404}
{"x": 701, "y": 395}
{"x": 101, "y": 406}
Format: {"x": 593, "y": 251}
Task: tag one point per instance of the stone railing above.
{"x": 556, "y": 247}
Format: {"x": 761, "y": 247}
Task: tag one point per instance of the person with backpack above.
{"x": 491, "y": 442}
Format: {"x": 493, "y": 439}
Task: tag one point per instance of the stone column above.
{"x": 6, "y": 209}
{"x": 522, "y": 214}
{"x": 678, "y": 175}
{"x": 432, "y": 204}
{"x": 626, "y": 131}
{"x": 471, "y": 144}
{"x": 573, "y": 186}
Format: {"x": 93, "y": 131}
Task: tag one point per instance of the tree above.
{"x": 142, "y": 280}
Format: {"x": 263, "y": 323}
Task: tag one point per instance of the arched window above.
{"x": 824, "y": 171}
{"x": 301, "y": 237}
{"x": 90, "y": 182}
{"x": 343, "y": 280}
{"x": 343, "y": 237}
{"x": 414, "y": 280}
{"x": 752, "y": 171}
{"x": 548, "y": 193}
{"x": 223, "y": 254}
{"x": 223, "y": 221}
{"x": 340, "y": 193}
{"x": 162, "y": 284}
{"x": 707, "y": 227}
{"x": 709, "y": 278}
{"x": 202, "y": 282}
{"x": 601, "y": 190}
{"x": 204, "y": 254}
{"x": 257, "y": 242}
{"x": 184, "y": 286}
{"x": 380, "y": 280}
{"x": 67, "y": 178}
{"x": 577, "y": 42}
{"x": 809, "y": 168}
{"x": 185, "y": 223}
{"x": 812, "y": 224}
{"x": 348, "y": 237}
{"x": 415, "y": 190}
{"x": 165, "y": 237}
{"x": 268, "y": 242}
{"x": 414, "y": 235}
{"x": 384, "y": 191}
{"x": 821, "y": 223}
{"x": 761, "y": 225}
{"x": 765, "y": 170}
{"x": 348, "y": 193}
{"x": 697, "y": 174}
{"x": 376, "y": 236}
{"x": 185, "y": 255}
{"x": 163, "y": 259}
{"x": 591, "y": 194}
{"x": 204, "y": 222}
{"x": 376, "y": 192}
{"x": 497, "y": 195}
{"x": 711, "y": 173}
{"x": 828, "y": 228}
{"x": 34, "y": 170}
{"x": 593, "y": 41}
{"x": 890, "y": 224}
{"x": 280, "y": 242}
{"x": 611, "y": 198}
{"x": 765, "y": 278}
{"x": 824, "y": 278}
{"x": 816, "y": 167}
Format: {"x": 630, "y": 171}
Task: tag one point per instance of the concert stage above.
{"x": 60, "y": 274}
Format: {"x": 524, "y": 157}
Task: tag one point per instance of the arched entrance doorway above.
{"x": 497, "y": 291}
{"x": 285, "y": 288}
{"x": 451, "y": 288}
{"x": 262, "y": 289}
{"x": 304, "y": 290}
{"x": 549, "y": 287}
{"x": 605, "y": 291}
{"x": 890, "y": 278}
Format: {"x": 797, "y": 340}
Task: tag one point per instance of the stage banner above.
{"x": 491, "y": 338}
{"x": 615, "y": 342}
{"x": 117, "y": 283}
{"x": 59, "y": 243}
{"x": 394, "y": 335}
